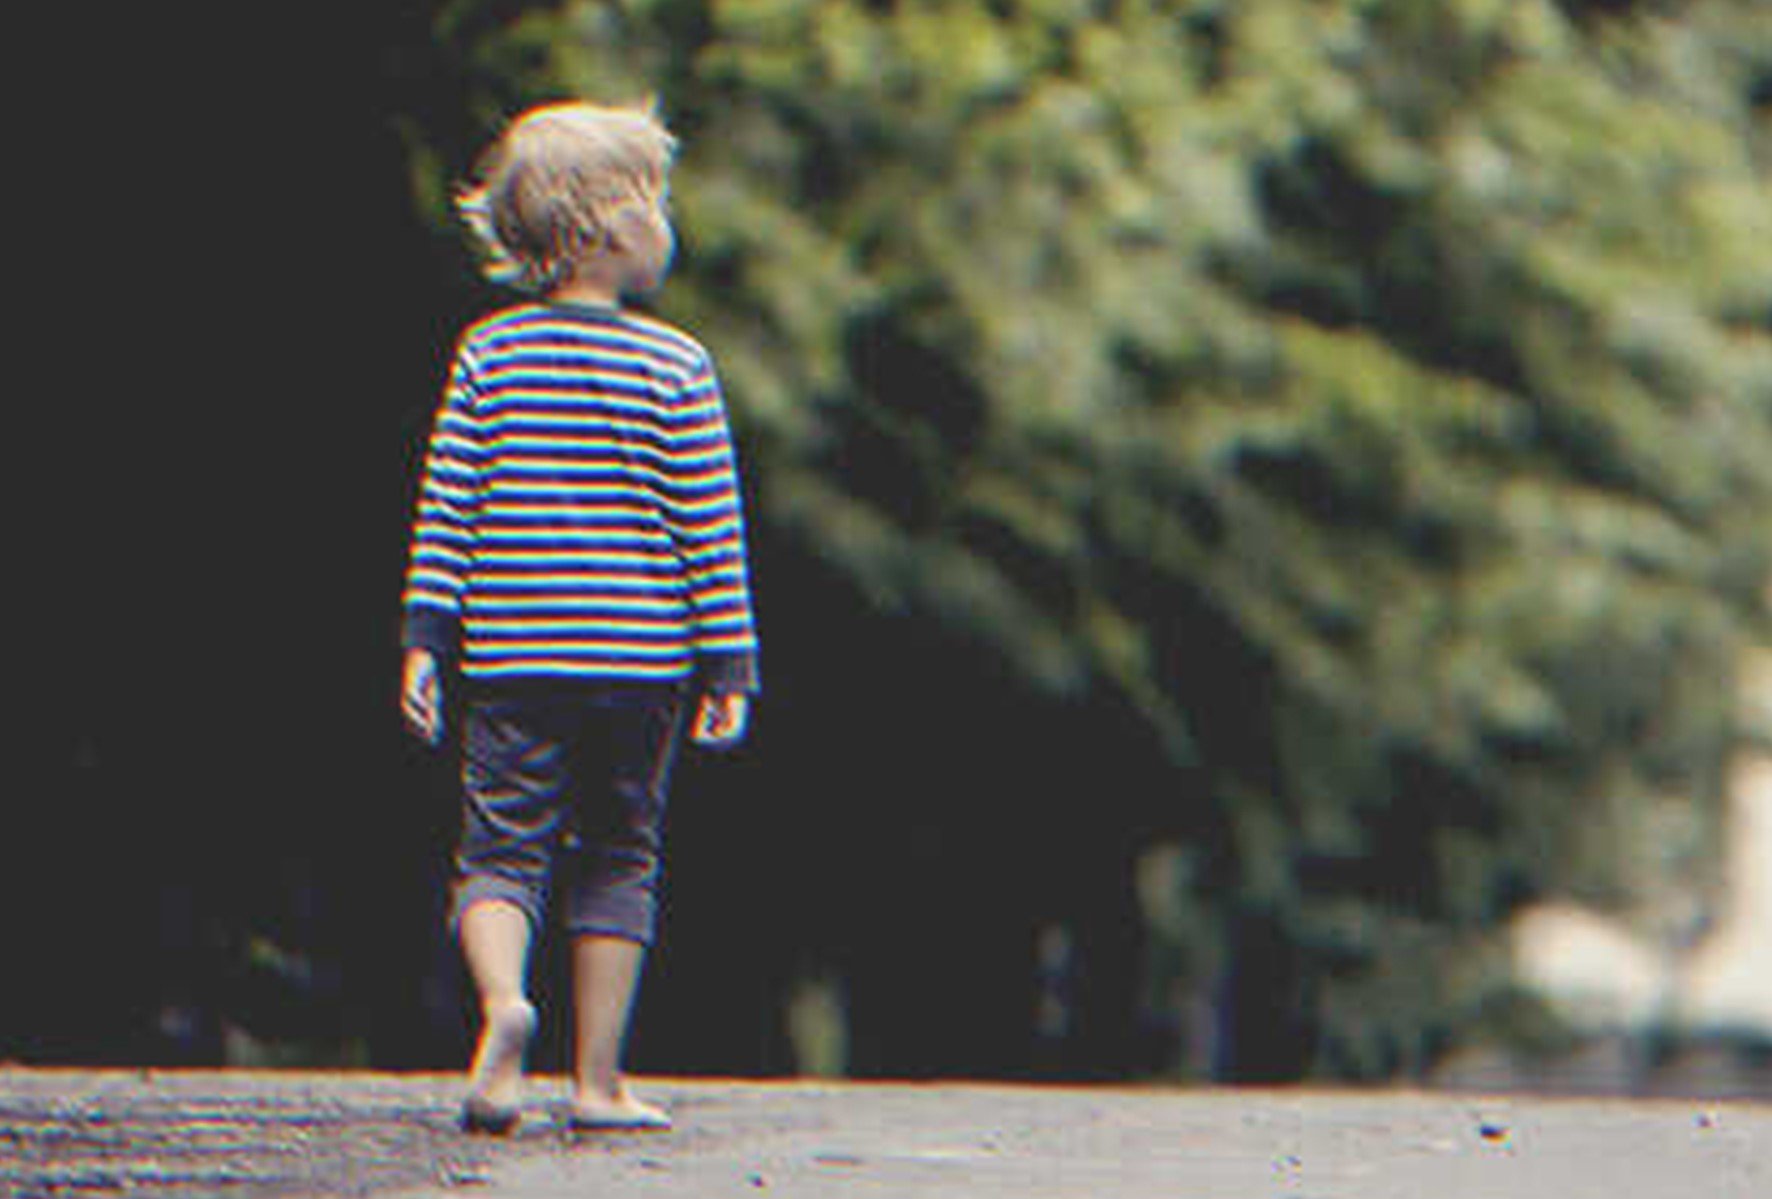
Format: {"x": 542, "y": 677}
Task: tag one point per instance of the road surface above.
{"x": 245, "y": 1135}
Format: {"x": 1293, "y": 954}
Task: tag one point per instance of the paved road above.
{"x": 250, "y": 1135}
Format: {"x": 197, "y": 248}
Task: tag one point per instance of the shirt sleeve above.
{"x": 443, "y": 527}
{"x": 707, "y": 525}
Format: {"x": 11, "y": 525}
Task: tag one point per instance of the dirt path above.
{"x": 239, "y": 1134}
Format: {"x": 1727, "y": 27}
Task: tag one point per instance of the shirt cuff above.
{"x": 727, "y": 674}
{"x": 432, "y": 629}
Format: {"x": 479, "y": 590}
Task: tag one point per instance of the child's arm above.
{"x": 442, "y": 539}
{"x": 707, "y": 527}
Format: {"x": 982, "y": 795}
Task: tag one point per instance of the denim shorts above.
{"x": 568, "y": 792}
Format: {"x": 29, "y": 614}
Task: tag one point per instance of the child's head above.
{"x": 557, "y": 185}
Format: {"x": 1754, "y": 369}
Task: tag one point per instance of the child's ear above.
{"x": 618, "y": 232}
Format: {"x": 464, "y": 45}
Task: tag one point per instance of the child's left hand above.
{"x": 421, "y": 695}
{"x": 720, "y": 720}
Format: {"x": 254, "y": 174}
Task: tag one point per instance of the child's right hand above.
{"x": 720, "y": 720}
{"x": 421, "y": 695}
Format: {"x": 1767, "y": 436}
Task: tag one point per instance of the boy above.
{"x": 578, "y": 558}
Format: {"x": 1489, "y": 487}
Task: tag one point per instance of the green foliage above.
{"x": 1414, "y": 359}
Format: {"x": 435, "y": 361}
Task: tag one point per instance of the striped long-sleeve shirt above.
{"x": 579, "y": 516}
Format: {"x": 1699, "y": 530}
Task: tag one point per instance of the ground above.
{"x": 233, "y": 1133}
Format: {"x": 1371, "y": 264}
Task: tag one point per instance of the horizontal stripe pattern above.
{"x": 579, "y": 512}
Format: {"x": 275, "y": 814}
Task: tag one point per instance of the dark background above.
{"x": 216, "y": 826}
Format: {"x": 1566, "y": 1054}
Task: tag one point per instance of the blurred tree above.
{"x": 1324, "y": 443}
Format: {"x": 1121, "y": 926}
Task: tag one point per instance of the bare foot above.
{"x": 620, "y": 1112}
{"x": 495, "y": 1078}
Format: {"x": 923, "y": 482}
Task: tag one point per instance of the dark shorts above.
{"x": 567, "y": 792}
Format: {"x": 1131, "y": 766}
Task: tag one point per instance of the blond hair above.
{"x": 549, "y": 187}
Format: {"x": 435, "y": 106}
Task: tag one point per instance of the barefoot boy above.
{"x": 578, "y": 561}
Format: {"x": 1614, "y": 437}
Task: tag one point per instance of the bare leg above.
{"x": 495, "y": 938}
{"x": 605, "y": 975}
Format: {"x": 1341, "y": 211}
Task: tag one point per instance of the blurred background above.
{"x": 1261, "y": 518}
